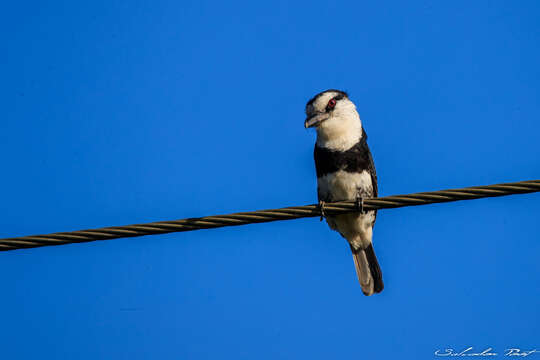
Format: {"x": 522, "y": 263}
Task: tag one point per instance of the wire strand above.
{"x": 287, "y": 213}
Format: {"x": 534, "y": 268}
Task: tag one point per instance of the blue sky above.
{"x": 117, "y": 112}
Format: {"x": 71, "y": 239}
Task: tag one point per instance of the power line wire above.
{"x": 288, "y": 213}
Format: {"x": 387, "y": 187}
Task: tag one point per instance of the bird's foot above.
{"x": 321, "y": 208}
{"x": 360, "y": 204}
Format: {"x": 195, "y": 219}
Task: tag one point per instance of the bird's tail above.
{"x": 368, "y": 270}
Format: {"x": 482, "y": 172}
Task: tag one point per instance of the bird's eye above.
{"x": 331, "y": 104}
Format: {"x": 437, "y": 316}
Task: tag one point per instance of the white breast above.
{"x": 342, "y": 185}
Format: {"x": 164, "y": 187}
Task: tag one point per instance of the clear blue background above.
{"x": 118, "y": 112}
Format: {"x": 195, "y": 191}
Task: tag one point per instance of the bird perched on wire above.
{"x": 345, "y": 171}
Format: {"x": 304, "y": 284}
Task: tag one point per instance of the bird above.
{"x": 346, "y": 171}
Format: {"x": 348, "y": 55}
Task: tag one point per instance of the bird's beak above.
{"x": 315, "y": 120}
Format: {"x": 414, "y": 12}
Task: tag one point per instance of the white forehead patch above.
{"x": 323, "y": 100}
{"x": 343, "y": 128}
{"x": 320, "y": 103}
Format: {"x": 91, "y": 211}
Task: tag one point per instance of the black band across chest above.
{"x": 355, "y": 159}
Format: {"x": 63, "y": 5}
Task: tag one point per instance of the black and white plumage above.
{"x": 345, "y": 171}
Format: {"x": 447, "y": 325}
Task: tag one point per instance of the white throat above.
{"x": 341, "y": 131}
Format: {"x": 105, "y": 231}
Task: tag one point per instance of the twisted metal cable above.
{"x": 288, "y": 213}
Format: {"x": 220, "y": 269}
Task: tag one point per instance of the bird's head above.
{"x": 335, "y": 118}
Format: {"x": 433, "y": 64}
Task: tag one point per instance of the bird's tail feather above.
{"x": 368, "y": 270}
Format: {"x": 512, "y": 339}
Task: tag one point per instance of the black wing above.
{"x": 370, "y": 164}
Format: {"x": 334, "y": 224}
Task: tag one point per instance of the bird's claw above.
{"x": 360, "y": 204}
{"x": 321, "y": 208}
